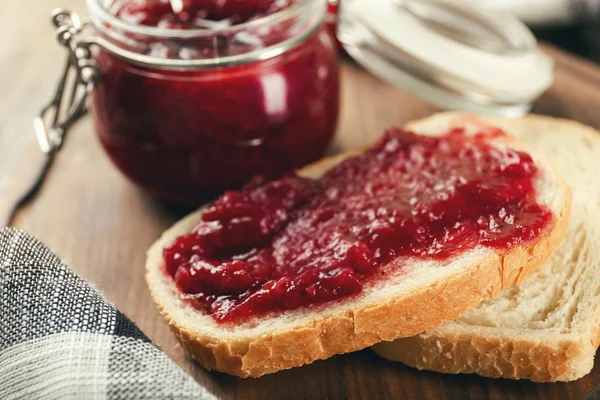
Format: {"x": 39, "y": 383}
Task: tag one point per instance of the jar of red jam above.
{"x": 191, "y": 97}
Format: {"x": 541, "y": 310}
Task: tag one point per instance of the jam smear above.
{"x": 296, "y": 242}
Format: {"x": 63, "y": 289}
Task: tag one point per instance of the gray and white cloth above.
{"x": 60, "y": 339}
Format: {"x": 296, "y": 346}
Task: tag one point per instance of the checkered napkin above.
{"x": 60, "y": 339}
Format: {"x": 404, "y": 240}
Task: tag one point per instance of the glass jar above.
{"x": 188, "y": 113}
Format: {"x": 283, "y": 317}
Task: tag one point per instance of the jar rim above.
{"x": 102, "y": 13}
{"x": 115, "y": 33}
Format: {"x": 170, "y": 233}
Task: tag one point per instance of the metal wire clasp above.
{"x": 79, "y": 76}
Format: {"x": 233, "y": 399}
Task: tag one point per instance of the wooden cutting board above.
{"x": 102, "y": 225}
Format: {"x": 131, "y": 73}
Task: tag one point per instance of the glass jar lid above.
{"x": 452, "y": 54}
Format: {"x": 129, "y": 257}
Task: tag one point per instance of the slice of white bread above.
{"x": 423, "y": 295}
{"x": 548, "y": 328}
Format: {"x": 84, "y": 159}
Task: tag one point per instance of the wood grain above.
{"x": 101, "y": 224}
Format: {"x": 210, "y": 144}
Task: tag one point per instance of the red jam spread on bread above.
{"x": 297, "y": 242}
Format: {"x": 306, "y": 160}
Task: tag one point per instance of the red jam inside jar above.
{"x": 187, "y": 134}
{"x": 296, "y": 242}
{"x": 198, "y": 14}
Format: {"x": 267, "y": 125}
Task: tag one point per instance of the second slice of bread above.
{"x": 547, "y": 329}
{"x": 424, "y": 295}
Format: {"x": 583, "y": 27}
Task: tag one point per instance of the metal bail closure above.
{"x": 79, "y": 76}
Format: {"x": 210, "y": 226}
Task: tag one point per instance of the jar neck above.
{"x": 178, "y": 49}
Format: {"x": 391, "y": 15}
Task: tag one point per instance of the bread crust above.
{"x": 348, "y": 330}
{"x": 564, "y": 359}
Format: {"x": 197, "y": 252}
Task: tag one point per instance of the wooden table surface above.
{"x": 101, "y": 224}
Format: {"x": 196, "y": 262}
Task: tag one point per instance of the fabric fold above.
{"x": 60, "y": 339}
